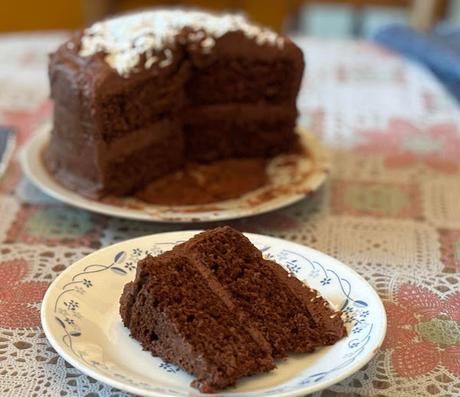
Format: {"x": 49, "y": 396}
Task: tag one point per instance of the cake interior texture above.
{"x": 205, "y": 88}
{"x": 216, "y": 308}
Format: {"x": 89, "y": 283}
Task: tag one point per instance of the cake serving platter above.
{"x": 292, "y": 177}
{"x": 81, "y": 321}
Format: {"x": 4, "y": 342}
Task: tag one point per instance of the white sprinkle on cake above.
{"x": 130, "y": 38}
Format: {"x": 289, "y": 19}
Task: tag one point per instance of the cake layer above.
{"x": 236, "y": 131}
{"x": 109, "y": 105}
{"x": 289, "y": 314}
{"x": 226, "y": 139}
{"x": 84, "y": 134}
{"x": 127, "y": 173}
{"x": 143, "y": 103}
{"x": 70, "y": 83}
{"x": 177, "y": 313}
{"x": 242, "y": 80}
{"x": 71, "y": 128}
{"x": 121, "y": 166}
{"x": 65, "y": 163}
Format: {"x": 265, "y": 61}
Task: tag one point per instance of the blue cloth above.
{"x": 438, "y": 50}
{"x": 7, "y": 141}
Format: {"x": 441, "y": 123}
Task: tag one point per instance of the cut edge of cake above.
{"x": 185, "y": 318}
{"x": 253, "y": 86}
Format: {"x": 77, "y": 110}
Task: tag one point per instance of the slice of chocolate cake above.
{"x": 292, "y": 317}
{"x": 216, "y": 308}
{"x": 181, "y": 314}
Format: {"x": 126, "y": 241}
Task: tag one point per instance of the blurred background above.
{"x": 426, "y": 31}
{"x": 339, "y": 18}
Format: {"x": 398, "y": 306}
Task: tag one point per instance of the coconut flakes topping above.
{"x": 129, "y": 38}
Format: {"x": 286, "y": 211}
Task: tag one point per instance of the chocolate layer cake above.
{"x": 216, "y": 308}
{"x": 138, "y": 96}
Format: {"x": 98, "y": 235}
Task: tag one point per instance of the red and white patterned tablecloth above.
{"x": 390, "y": 210}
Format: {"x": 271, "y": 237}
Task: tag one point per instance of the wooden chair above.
{"x": 72, "y": 14}
{"x": 268, "y": 12}
{"x": 423, "y": 13}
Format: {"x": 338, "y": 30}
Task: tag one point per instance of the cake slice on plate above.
{"x": 292, "y": 317}
{"x": 216, "y": 308}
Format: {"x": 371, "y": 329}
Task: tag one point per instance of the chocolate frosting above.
{"x": 116, "y": 130}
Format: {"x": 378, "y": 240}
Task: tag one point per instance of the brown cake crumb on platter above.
{"x": 206, "y": 183}
{"x": 140, "y": 96}
{"x": 216, "y": 308}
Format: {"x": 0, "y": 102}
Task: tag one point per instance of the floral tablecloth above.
{"x": 390, "y": 210}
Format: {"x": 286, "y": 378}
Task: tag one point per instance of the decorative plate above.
{"x": 292, "y": 177}
{"x": 80, "y": 318}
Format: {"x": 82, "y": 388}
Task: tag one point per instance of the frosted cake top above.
{"x": 125, "y": 38}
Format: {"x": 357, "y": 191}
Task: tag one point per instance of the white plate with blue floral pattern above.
{"x": 80, "y": 318}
